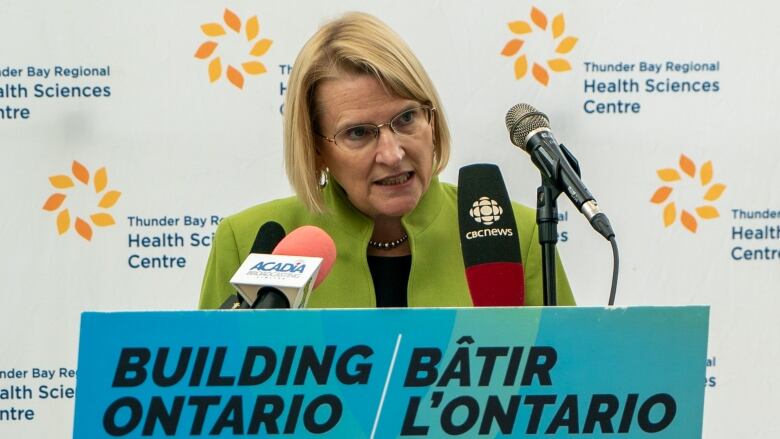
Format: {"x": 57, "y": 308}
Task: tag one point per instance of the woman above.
{"x": 365, "y": 137}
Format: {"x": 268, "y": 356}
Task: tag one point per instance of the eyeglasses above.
{"x": 406, "y": 123}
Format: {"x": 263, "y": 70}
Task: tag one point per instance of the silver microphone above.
{"x": 529, "y": 129}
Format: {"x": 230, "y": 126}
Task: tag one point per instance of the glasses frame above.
{"x": 430, "y": 112}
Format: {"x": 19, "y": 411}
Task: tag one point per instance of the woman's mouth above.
{"x": 395, "y": 179}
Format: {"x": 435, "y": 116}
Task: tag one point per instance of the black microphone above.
{"x": 489, "y": 238}
{"x": 268, "y": 236}
{"x": 271, "y": 298}
{"x": 530, "y": 130}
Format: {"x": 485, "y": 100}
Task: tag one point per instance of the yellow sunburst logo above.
{"x": 538, "y": 23}
{"x": 256, "y": 49}
{"x": 711, "y": 192}
{"x": 66, "y": 184}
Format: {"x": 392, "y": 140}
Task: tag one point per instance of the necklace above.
{"x": 387, "y": 245}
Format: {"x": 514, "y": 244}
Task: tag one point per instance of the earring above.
{"x": 323, "y": 177}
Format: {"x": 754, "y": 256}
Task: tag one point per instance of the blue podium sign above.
{"x": 480, "y": 372}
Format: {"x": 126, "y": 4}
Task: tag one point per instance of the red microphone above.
{"x": 310, "y": 241}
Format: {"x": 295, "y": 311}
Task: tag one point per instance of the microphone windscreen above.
{"x": 310, "y": 241}
{"x": 521, "y": 120}
{"x": 268, "y": 236}
{"x": 489, "y": 238}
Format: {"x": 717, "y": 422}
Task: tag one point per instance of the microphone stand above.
{"x": 547, "y": 220}
{"x": 547, "y": 214}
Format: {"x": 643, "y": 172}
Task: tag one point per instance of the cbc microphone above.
{"x": 529, "y": 129}
{"x": 489, "y": 238}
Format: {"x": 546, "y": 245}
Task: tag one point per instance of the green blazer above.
{"x": 437, "y": 277}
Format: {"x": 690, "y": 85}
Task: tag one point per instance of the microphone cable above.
{"x": 615, "y": 269}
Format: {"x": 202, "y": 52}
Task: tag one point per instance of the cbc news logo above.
{"x": 486, "y": 211}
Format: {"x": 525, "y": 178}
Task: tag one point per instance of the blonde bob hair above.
{"x": 356, "y": 43}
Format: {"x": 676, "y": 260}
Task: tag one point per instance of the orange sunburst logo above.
{"x": 564, "y": 46}
{"x": 671, "y": 176}
{"x": 64, "y": 183}
{"x": 256, "y": 48}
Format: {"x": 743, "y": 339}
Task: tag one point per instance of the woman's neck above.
{"x": 389, "y": 230}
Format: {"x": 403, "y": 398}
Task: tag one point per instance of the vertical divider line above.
{"x": 387, "y": 384}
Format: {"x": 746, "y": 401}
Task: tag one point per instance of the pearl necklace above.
{"x": 389, "y": 244}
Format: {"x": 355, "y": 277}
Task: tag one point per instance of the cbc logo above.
{"x": 486, "y": 211}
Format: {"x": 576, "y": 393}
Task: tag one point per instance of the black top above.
{"x": 390, "y": 275}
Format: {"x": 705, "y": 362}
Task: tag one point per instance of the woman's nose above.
{"x": 389, "y": 150}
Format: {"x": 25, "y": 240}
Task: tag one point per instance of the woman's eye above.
{"x": 356, "y": 133}
{"x": 406, "y": 117}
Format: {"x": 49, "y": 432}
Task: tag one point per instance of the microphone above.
{"x": 313, "y": 242}
{"x": 530, "y": 130}
{"x": 489, "y": 238}
{"x": 268, "y": 236}
{"x": 285, "y": 277}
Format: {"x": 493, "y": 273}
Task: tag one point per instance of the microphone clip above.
{"x": 575, "y": 165}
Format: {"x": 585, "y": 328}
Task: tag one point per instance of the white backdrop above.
{"x": 173, "y": 144}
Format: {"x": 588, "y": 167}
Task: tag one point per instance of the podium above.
{"x": 562, "y": 372}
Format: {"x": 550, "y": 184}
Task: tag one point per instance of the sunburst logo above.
{"x": 538, "y": 25}
{"x": 703, "y": 186}
{"x": 57, "y": 201}
{"x": 255, "y": 48}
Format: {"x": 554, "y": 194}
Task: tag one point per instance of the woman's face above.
{"x": 386, "y": 178}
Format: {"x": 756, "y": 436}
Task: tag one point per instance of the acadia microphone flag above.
{"x": 268, "y": 236}
{"x": 489, "y": 238}
{"x": 284, "y": 278}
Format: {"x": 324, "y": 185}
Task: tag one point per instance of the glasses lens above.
{"x": 356, "y": 137}
{"x": 411, "y": 121}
